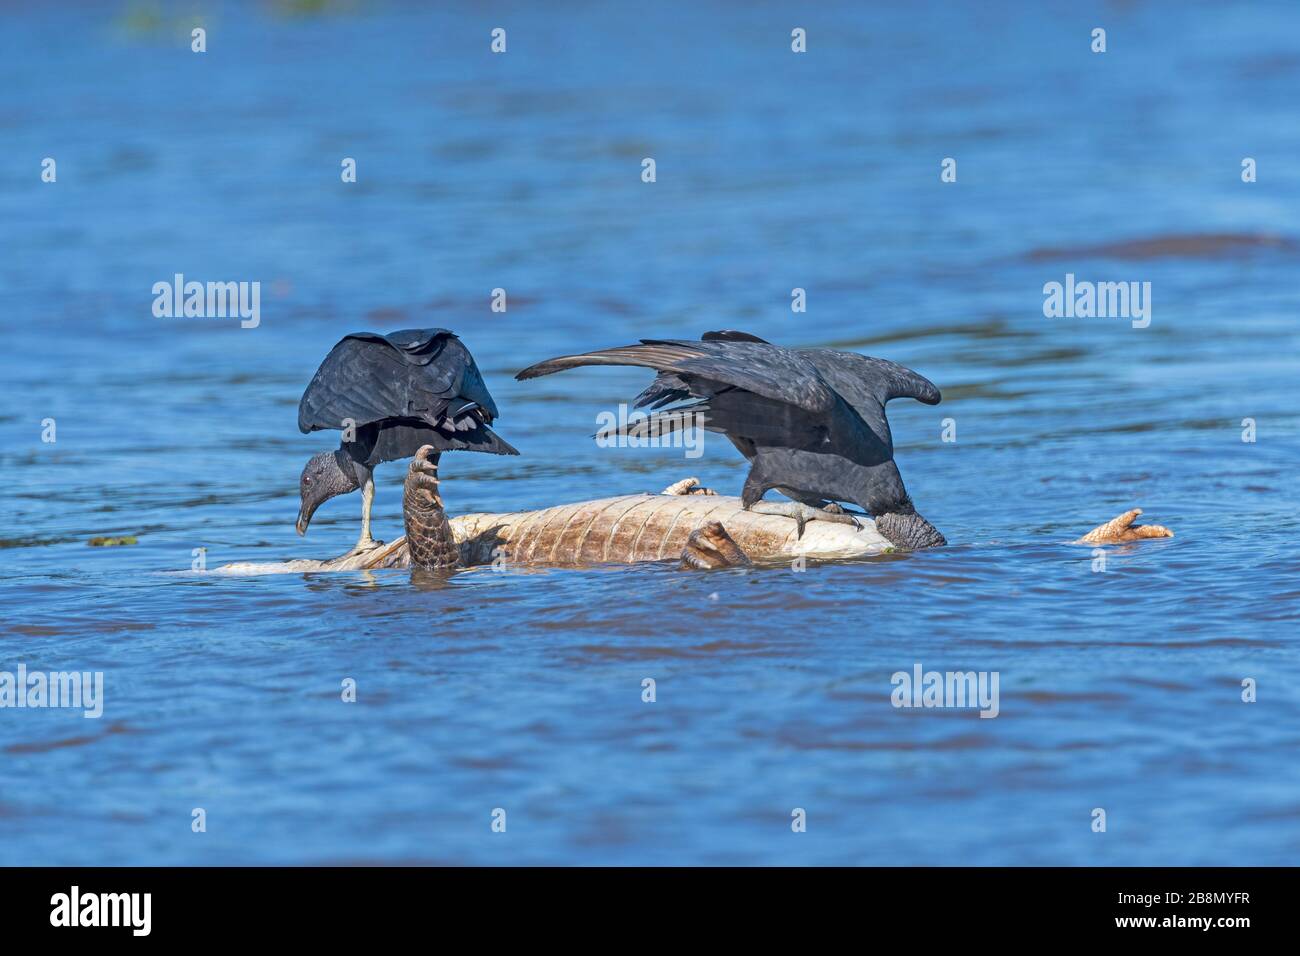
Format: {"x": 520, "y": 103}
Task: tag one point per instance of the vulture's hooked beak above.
{"x": 304, "y": 516}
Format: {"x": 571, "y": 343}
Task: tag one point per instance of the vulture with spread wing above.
{"x": 811, "y": 421}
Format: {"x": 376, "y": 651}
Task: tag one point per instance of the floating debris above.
{"x": 103, "y": 542}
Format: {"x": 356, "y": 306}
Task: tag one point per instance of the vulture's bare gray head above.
{"x": 322, "y": 478}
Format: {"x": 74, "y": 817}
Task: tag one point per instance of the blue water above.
{"x": 521, "y": 690}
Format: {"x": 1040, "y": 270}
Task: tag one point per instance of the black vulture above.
{"x": 391, "y": 394}
{"x": 811, "y": 421}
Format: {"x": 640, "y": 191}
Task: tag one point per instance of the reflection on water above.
{"x": 523, "y": 689}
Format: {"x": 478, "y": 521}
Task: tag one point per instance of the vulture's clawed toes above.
{"x": 802, "y": 514}
{"x": 835, "y": 508}
{"x": 363, "y": 545}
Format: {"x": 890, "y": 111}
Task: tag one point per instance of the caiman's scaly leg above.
{"x": 428, "y": 530}
{"x": 709, "y": 547}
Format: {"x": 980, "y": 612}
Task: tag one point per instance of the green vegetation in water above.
{"x": 103, "y": 542}
{"x": 142, "y": 19}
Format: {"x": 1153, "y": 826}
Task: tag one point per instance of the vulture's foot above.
{"x": 710, "y": 547}
{"x": 835, "y": 508}
{"x": 802, "y": 513}
{"x": 364, "y": 544}
{"x": 1123, "y": 529}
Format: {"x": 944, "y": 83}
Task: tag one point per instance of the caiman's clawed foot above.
{"x": 687, "y": 486}
{"x": 801, "y": 513}
{"x": 709, "y": 547}
{"x": 1123, "y": 529}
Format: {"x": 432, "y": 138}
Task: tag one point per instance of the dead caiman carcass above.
{"x": 623, "y": 530}
{"x": 683, "y": 523}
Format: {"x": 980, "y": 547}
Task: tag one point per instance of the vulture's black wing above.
{"x": 706, "y": 367}
{"x": 668, "y": 387}
{"x": 400, "y": 438}
{"x": 416, "y": 373}
{"x": 756, "y": 393}
{"x": 861, "y": 378}
{"x": 867, "y": 383}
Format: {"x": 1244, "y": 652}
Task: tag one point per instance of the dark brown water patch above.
{"x": 37, "y": 630}
{"x": 1054, "y": 697}
{"x": 990, "y": 329}
{"x": 1209, "y": 245}
{"x": 1209, "y": 642}
{"x": 709, "y": 649}
{"x": 80, "y": 740}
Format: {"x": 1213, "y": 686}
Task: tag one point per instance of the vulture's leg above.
{"x": 800, "y": 513}
{"x": 815, "y": 501}
{"x": 365, "y": 542}
{"x": 830, "y": 507}
{"x": 709, "y": 546}
{"x": 751, "y": 498}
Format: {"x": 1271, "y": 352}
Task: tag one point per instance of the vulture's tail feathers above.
{"x": 476, "y": 438}
{"x": 659, "y": 424}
